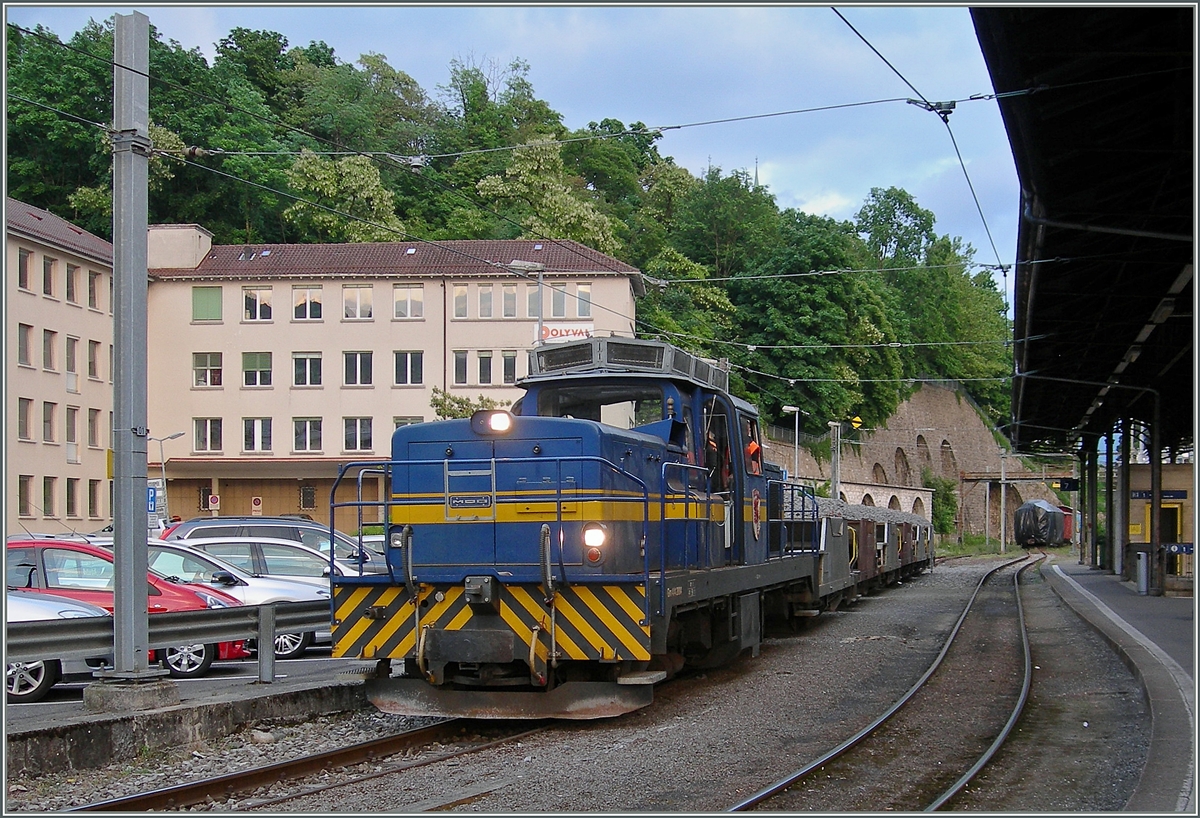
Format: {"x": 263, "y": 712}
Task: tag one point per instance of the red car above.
{"x": 85, "y": 572}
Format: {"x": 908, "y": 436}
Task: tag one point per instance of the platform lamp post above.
{"x": 524, "y": 268}
{"x": 162, "y": 462}
{"x": 795, "y": 410}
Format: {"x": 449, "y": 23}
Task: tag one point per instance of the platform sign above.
{"x": 151, "y": 500}
{"x": 1167, "y": 494}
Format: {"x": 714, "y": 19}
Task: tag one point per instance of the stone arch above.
{"x": 868, "y": 500}
{"x": 918, "y": 507}
{"x": 904, "y": 475}
{"x": 878, "y": 475}
{"x": 923, "y": 456}
{"x": 894, "y": 503}
{"x": 949, "y": 463}
{"x": 842, "y": 497}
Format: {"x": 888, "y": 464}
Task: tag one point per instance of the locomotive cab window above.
{"x": 625, "y": 406}
{"x": 715, "y": 435}
{"x": 752, "y": 449}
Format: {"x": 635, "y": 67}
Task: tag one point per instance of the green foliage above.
{"x": 894, "y": 301}
{"x": 446, "y": 405}
{"x": 944, "y": 512}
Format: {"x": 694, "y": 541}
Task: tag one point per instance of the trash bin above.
{"x": 1143, "y": 572}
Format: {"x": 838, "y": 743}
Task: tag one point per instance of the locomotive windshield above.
{"x": 625, "y": 406}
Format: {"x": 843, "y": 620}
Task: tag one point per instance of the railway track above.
{"x": 917, "y": 754}
{"x": 436, "y": 743}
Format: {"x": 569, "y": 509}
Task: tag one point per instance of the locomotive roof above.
{"x": 623, "y": 356}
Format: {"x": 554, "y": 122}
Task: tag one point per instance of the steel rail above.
{"x": 1016, "y": 712}
{"x": 784, "y": 783}
{"x": 221, "y": 787}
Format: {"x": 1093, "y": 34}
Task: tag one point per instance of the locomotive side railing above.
{"x": 689, "y": 496}
{"x": 386, "y": 504}
{"x": 796, "y": 505}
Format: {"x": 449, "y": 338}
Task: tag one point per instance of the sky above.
{"x": 683, "y": 65}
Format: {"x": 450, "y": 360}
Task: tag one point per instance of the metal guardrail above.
{"x": 93, "y": 636}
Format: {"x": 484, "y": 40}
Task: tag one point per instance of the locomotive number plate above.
{"x": 470, "y": 501}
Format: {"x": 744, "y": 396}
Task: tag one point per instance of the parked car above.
{"x": 305, "y": 532}
{"x": 273, "y": 558}
{"x": 31, "y": 681}
{"x": 84, "y": 571}
{"x": 189, "y": 566}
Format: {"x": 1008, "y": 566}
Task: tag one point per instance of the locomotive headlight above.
{"x": 594, "y": 538}
{"x": 491, "y": 422}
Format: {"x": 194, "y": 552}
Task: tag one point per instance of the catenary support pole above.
{"x": 131, "y": 152}
{"x": 1107, "y": 554}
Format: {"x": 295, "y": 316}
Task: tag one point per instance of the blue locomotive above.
{"x": 618, "y": 524}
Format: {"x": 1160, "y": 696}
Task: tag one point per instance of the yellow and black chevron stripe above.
{"x": 587, "y": 622}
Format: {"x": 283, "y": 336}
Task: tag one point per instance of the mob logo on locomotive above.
{"x": 537, "y": 559}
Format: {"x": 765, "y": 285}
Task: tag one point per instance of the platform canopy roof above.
{"x": 1098, "y": 102}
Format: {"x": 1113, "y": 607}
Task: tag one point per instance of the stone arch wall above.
{"x": 923, "y": 457}
{"x": 918, "y": 507}
{"x": 904, "y": 475}
{"x": 949, "y": 464}
{"x": 879, "y": 475}
{"x": 868, "y": 500}
{"x": 894, "y": 503}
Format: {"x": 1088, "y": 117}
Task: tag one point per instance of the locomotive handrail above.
{"x": 688, "y": 494}
{"x": 389, "y": 467}
{"x": 789, "y": 492}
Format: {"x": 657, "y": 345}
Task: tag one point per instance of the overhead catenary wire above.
{"x": 415, "y": 238}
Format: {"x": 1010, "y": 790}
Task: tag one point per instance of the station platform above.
{"x": 1155, "y": 636}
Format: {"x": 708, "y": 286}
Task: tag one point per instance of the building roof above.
{"x": 1102, "y": 126}
{"x": 463, "y": 259}
{"x": 44, "y": 226}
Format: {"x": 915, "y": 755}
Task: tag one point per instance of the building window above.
{"x": 583, "y": 303}
{"x": 407, "y": 420}
{"x": 485, "y": 366}
{"x": 111, "y": 368}
{"x": 203, "y": 493}
{"x": 256, "y": 434}
{"x": 24, "y": 344}
{"x": 94, "y": 499}
{"x": 510, "y": 301}
{"x": 49, "y": 495}
{"x": 460, "y": 300}
{"x": 94, "y": 360}
{"x": 206, "y": 303}
{"x": 25, "y": 495}
{"x": 72, "y": 424}
{"x": 485, "y": 300}
{"x": 206, "y": 367}
{"x": 208, "y": 434}
{"x": 72, "y": 284}
{"x": 307, "y": 434}
{"x": 48, "y": 270}
{"x": 408, "y": 300}
{"x": 72, "y": 355}
{"x": 48, "y": 412}
{"x": 558, "y": 300}
{"x": 533, "y": 301}
{"x": 306, "y": 368}
{"x": 93, "y": 289}
{"x": 25, "y": 418}
{"x": 72, "y": 496}
{"x": 94, "y": 428}
{"x": 509, "y": 356}
{"x": 308, "y": 497}
{"x": 49, "y": 342}
{"x": 256, "y": 368}
{"x": 306, "y": 303}
{"x": 257, "y": 301}
{"x": 358, "y": 368}
{"x": 23, "y": 257}
{"x": 356, "y": 301}
{"x": 358, "y": 434}
{"x": 410, "y": 368}
{"x": 111, "y": 300}
{"x": 110, "y": 430}
{"x": 460, "y": 366}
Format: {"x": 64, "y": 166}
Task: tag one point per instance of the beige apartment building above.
{"x": 280, "y": 363}
{"x": 58, "y": 379}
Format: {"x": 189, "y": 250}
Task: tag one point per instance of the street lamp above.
{"x": 523, "y": 268}
{"x": 795, "y": 440}
{"x": 162, "y": 462}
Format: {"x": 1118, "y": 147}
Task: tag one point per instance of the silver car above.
{"x": 273, "y": 558}
{"x": 180, "y": 563}
{"x": 31, "y": 681}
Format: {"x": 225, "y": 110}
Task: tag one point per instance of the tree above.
{"x": 726, "y": 223}
{"x": 944, "y": 510}
{"x": 446, "y": 405}
{"x": 897, "y": 231}
{"x": 680, "y": 307}
{"x": 537, "y": 183}
{"x": 347, "y": 186}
